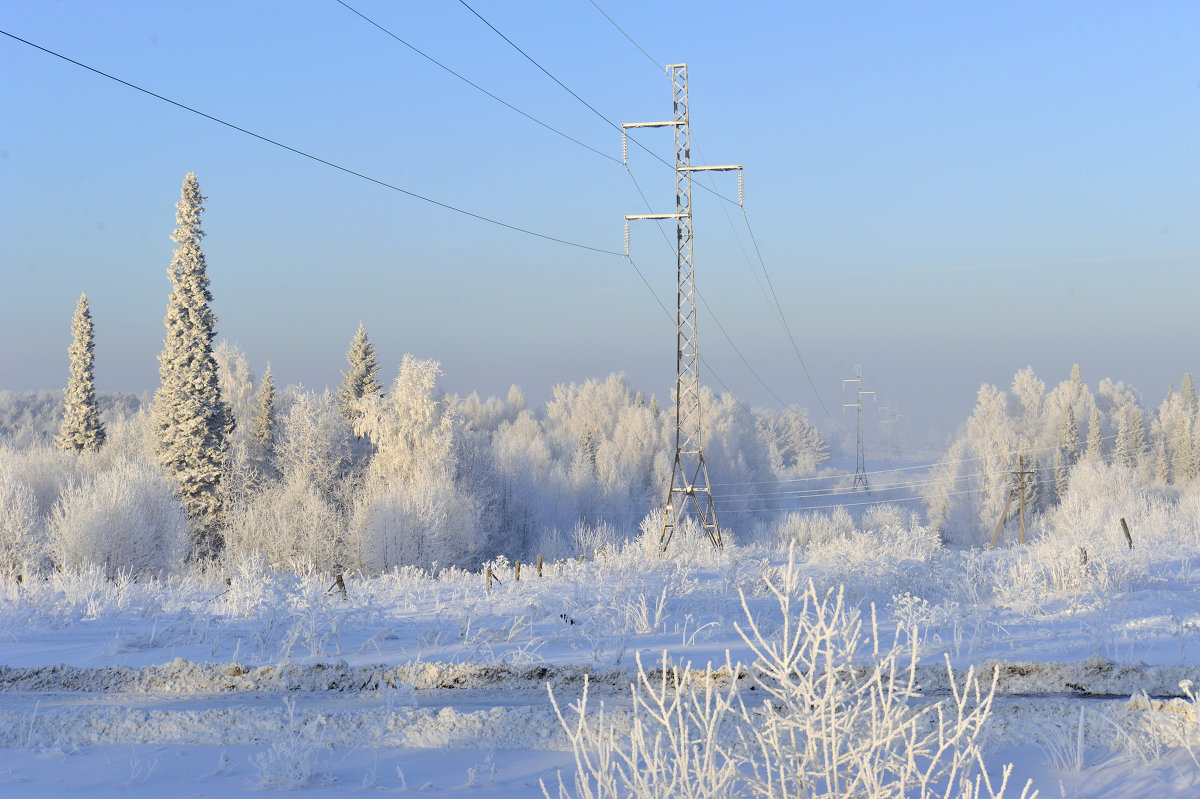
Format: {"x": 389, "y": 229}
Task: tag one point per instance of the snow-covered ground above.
{"x": 195, "y": 687}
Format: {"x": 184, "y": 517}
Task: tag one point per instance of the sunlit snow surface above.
{"x": 410, "y": 683}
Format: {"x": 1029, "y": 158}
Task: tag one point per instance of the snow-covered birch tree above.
{"x": 192, "y": 421}
{"x": 362, "y": 378}
{"x": 81, "y": 426}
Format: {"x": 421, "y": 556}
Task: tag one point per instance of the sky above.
{"x": 942, "y": 192}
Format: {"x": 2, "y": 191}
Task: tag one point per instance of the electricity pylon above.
{"x": 689, "y": 474}
{"x": 860, "y": 468}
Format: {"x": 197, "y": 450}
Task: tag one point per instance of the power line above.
{"x": 569, "y": 91}
{"x": 746, "y": 218}
{"x": 311, "y": 157}
{"x": 707, "y": 307}
{"x": 626, "y": 35}
{"x": 474, "y": 85}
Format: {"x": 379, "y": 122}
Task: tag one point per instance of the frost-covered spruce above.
{"x": 192, "y": 422}
{"x": 81, "y": 426}
{"x": 264, "y": 413}
{"x": 361, "y": 379}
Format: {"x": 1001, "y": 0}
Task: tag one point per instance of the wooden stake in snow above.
{"x": 339, "y": 585}
{"x": 517, "y": 571}
{"x": 539, "y": 565}
{"x": 1125, "y": 530}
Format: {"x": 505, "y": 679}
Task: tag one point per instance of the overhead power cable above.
{"x": 653, "y": 60}
{"x": 474, "y": 85}
{"x": 746, "y": 218}
{"x": 312, "y": 157}
{"x": 569, "y": 91}
{"x": 777, "y": 305}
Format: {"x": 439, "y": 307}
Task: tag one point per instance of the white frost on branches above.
{"x": 81, "y": 426}
{"x": 192, "y": 421}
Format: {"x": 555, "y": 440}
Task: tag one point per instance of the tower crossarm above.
{"x": 689, "y": 474}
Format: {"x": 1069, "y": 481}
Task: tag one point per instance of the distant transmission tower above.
{"x": 689, "y": 475}
{"x": 860, "y": 468}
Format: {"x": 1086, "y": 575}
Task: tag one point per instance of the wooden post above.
{"x": 581, "y": 560}
{"x": 1125, "y": 530}
{"x": 517, "y": 571}
{"x": 338, "y": 585}
{"x": 487, "y": 576}
{"x": 539, "y": 565}
{"x": 1003, "y": 516}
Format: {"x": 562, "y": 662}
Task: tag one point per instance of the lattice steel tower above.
{"x": 860, "y": 468}
{"x": 689, "y": 474}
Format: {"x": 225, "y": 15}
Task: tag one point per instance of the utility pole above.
{"x": 1022, "y": 477}
{"x": 689, "y": 474}
{"x": 860, "y": 468}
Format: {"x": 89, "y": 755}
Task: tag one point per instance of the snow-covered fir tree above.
{"x": 81, "y": 426}
{"x": 264, "y": 413}
{"x": 1130, "y": 445}
{"x": 193, "y": 423}
{"x": 361, "y": 379}
{"x": 1095, "y": 439}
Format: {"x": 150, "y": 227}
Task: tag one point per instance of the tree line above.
{"x": 370, "y": 477}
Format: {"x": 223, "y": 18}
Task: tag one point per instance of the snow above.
{"x": 192, "y": 687}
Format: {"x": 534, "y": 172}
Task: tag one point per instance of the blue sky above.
{"x": 942, "y": 192}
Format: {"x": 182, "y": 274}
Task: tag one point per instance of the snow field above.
{"x": 409, "y": 661}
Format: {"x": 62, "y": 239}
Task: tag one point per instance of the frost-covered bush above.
{"x": 46, "y": 471}
{"x": 128, "y": 518}
{"x": 420, "y": 522}
{"x": 22, "y": 540}
{"x": 885, "y": 557}
{"x": 806, "y": 529}
{"x": 821, "y": 723}
{"x": 294, "y": 762}
{"x": 591, "y": 539}
{"x": 289, "y": 522}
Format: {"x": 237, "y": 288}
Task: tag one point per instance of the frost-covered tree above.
{"x": 1179, "y": 429}
{"x": 794, "y": 445}
{"x": 237, "y": 389}
{"x": 264, "y": 413}
{"x": 81, "y": 426}
{"x": 1095, "y": 437}
{"x": 1068, "y": 435}
{"x": 361, "y": 379}
{"x": 1066, "y": 453}
{"x": 1130, "y": 445}
{"x": 413, "y": 508}
{"x": 192, "y": 421}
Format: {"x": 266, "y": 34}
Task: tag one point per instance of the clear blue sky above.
{"x": 942, "y": 192}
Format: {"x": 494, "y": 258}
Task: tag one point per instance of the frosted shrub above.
{"x": 828, "y": 719}
{"x": 46, "y": 471}
{"x": 22, "y": 544}
{"x": 591, "y": 539}
{"x": 125, "y": 519}
{"x": 884, "y": 558}
{"x": 806, "y": 529}
{"x": 293, "y": 762}
{"x": 288, "y": 523}
{"x": 420, "y": 522}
